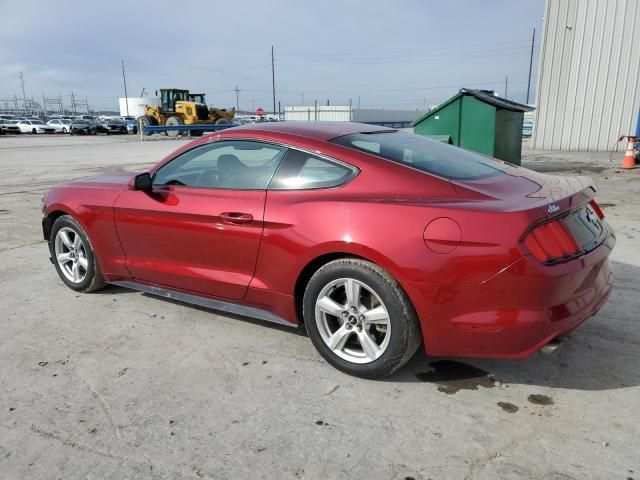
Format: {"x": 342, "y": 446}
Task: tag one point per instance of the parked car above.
{"x": 374, "y": 240}
{"x": 111, "y": 126}
{"x": 35, "y": 126}
{"x": 82, "y": 127}
{"x": 131, "y": 124}
{"x": 61, "y": 125}
{"x": 9, "y": 126}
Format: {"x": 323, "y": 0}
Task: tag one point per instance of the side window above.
{"x": 234, "y": 165}
{"x": 302, "y": 170}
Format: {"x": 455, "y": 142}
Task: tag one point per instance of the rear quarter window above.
{"x": 424, "y": 154}
{"x": 302, "y": 171}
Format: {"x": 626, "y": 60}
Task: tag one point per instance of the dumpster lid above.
{"x": 487, "y": 96}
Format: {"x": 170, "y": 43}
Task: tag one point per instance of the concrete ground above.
{"x": 120, "y": 385}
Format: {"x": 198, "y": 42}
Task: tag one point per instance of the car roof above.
{"x": 322, "y": 131}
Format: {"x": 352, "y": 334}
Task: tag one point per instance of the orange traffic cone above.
{"x": 629, "y": 160}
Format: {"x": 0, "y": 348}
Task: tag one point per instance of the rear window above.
{"x": 424, "y": 154}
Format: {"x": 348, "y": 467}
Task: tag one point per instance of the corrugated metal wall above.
{"x": 588, "y": 90}
{"x": 327, "y": 113}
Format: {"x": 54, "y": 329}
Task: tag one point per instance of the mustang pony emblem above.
{"x": 553, "y": 208}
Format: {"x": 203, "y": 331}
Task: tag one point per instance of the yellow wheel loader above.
{"x": 179, "y": 107}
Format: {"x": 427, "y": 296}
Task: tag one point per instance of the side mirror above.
{"x": 142, "y": 181}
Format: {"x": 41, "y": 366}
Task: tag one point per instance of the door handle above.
{"x": 236, "y": 218}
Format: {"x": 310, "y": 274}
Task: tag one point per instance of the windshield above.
{"x": 423, "y": 153}
{"x": 37, "y": 122}
{"x": 81, "y": 122}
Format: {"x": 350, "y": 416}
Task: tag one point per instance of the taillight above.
{"x": 551, "y": 242}
{"x": 597, "y": 209}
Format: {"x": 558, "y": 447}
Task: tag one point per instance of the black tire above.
{"x": 405, "y": 337}
{"x": 93, "y": 279}
{"x": 146, "y": 120}
{"x": 222, "y": 121}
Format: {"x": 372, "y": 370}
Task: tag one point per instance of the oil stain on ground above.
{"x": 452, "y": 376}
{"x": 508, "y": 407}
{"x": 540, "y": 399}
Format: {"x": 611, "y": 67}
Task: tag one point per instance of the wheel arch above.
{"x": 313, "y": 265}
{"x": 50, "y": 218}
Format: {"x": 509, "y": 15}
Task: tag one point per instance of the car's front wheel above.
{"x": 73, "y": 256}
{"x": 359, "y": 318}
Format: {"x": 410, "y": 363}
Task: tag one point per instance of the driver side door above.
{"x": 199, "y": 228}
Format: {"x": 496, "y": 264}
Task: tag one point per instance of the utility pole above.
{"x": 301, "y": 98}
{"x": 24, "y": 95}
{"x": 358, "y": 102}
{"x": 506, "y": 85}
{"x": 126, "y": 97}
{"x": 142, "y": 92}
{"x": 533, "y": 40}
{"x": 237, "y": 98}
{"x": 273, "y": 80}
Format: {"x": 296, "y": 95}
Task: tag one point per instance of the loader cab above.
{"x": 197, "y": 98}
{"x": 169, "y": 97}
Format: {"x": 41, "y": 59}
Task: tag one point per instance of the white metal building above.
{"x": 588, "y": 90}
{"x": 346, "y": 113}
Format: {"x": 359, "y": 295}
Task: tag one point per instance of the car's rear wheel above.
{"x": 359, "y": 318}
{"x": 73, "y": 256}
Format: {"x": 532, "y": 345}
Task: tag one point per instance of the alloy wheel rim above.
{"x": 353, "y": 321}
{"x": 71, "y": 255}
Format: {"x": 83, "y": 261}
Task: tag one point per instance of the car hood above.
{"x": 118, "y": 179}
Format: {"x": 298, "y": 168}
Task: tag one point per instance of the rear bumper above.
{"x": 518, "y": 311}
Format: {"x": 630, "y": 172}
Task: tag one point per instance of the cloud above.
{"x": 402, "y": 54}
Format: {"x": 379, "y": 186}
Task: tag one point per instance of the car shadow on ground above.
{"x": 602, "y": 354}
{"x": 118, "y": 290}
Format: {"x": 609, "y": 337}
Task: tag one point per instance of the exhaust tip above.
{"x": 551, "y": 346}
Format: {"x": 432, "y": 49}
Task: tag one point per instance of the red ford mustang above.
{"x": 375, "y": 240}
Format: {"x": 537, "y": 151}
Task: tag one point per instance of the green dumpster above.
{"x": 479, "y": 121}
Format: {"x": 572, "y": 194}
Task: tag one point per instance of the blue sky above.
{"x": 400, "y": 54}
